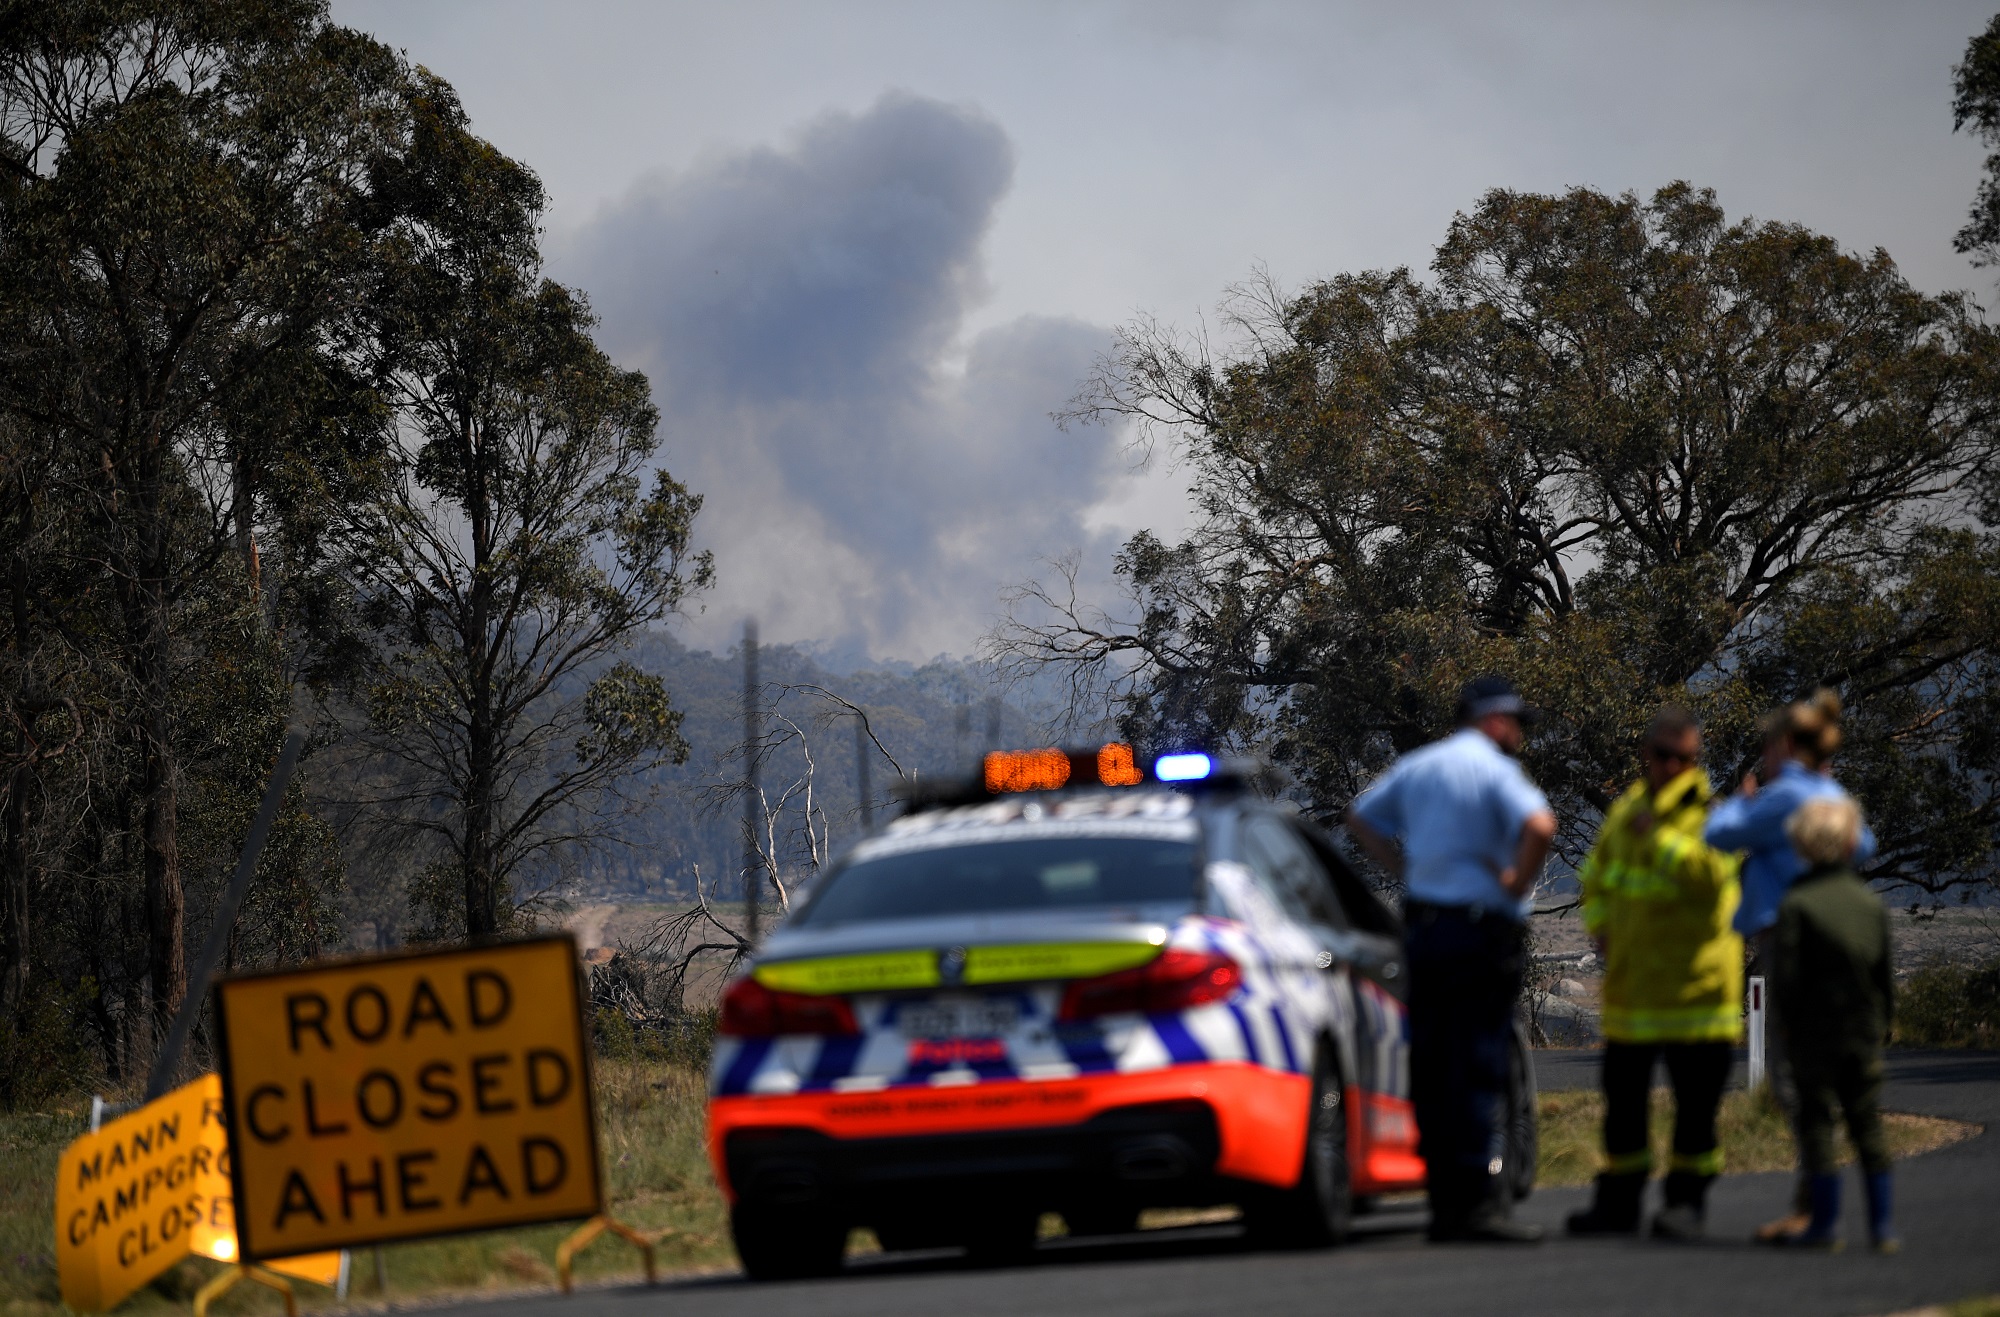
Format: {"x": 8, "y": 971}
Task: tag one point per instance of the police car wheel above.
{"x": 786, "y": 1245}
{"x": 1523, "y": 1145}
{"x": 1316, "y": 1211}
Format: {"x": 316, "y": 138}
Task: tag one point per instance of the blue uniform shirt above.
{"x": 1457, "y": 805}
{"x": 1756, "y": 826}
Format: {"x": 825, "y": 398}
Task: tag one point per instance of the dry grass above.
{"x": 652, "y": 1133}
{"x": 1752, "y": 1128}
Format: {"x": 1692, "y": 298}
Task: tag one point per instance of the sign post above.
{"x": 403, "y": 1097}
{"x": 1755, "y": 1029}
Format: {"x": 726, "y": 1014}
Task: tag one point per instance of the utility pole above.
{"x": 753, "y": 736}
{"x": 861, "y": 775}
{"x": 993, "y": 722}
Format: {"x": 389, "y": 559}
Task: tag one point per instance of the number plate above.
{"x": 977, "y": 1017}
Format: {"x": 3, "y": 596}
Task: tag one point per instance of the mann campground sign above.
{"x": 146, "y": 1190}
{"x": 401, "y": 1097}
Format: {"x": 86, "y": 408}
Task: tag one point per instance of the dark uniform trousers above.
{"x": 1466, "y": 968}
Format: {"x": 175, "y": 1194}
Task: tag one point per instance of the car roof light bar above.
{"x": 1114, "y": 764}
{"x": 1183, "y": 767}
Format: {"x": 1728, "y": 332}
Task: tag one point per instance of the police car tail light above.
{"x": 751, "y": 1010}
{"x": 1177, "y": 980}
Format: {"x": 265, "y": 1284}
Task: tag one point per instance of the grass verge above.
{"x": 1753, "y": 1131}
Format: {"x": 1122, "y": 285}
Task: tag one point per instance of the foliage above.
{"x": 285, "y": 404}
{"x": 181, "y": 241}
{"x": 523, "y": 535}
{"x": 1950, "y": 1003}
{"x": 1976, "y": 103}
{"x": 1626, "y": 451}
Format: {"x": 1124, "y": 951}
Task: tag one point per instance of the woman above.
{"x": 1659, "y": 902}
{"x": 1799, "y": 743}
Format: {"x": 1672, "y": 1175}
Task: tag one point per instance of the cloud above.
{"x": 873, "y": 479}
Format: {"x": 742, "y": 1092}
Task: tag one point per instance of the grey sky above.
{"x": 917, "y": 222}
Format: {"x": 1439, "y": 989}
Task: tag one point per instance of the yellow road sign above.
{"x": 405, "y": 1096}
{"x": 147, "y": 1189}
{"x": 131, "y": 1196}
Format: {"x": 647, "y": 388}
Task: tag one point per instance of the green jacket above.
{"x": 1662, "y": 900}
{"x": 1833, "y": 983}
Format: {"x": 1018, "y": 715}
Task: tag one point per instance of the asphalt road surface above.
{"x": 1949, "y": 1213}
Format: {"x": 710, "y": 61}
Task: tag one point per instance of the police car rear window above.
{"x": 1049, "y": 873}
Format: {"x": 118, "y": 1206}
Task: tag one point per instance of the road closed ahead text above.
{"x": 411, "y": 1096}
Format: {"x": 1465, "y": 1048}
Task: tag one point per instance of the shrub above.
{"x": 1950, "y": 1003}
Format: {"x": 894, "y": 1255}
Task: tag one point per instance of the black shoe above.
{"x": 1614, "y": 1209}
{"x": 1491, "y": 1226}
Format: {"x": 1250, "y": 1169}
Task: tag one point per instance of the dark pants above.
{"x": 1465, "y": 978}
{"x": 1853, "y": 1080}
{"x": 1698, "y": 1071}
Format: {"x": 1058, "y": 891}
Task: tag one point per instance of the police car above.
{"x": 1074, "y": 986}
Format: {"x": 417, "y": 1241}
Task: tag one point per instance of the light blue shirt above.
{"x": 1755, "y": 825}
{"x": 1457, "y": 805}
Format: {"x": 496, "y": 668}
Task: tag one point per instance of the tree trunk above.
{"x": 166, "y": 903}
{"x": 150, "y": 632}
{"x": 482, "y": 894}
{"x": 14, "y": 897}
{"x": 15, "y": 882}
{"x": 243, "y": 507}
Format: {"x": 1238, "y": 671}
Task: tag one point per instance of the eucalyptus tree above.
{"x": 1976, "y": 105}
{"x": 1625, "y": 450}
{"x": 523, "y": 537}
{"x": 181, "y": 195}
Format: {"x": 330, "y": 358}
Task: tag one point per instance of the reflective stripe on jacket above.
{"x": 1662, "y": 901}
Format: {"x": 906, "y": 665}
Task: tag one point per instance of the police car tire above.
{"x": 1523, "y": 1146}
{"x": 786, "y": 1245}
{"x": 1316, "y": 1211}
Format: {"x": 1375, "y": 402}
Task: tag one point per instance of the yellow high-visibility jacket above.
{"x": 1662, "y": 901}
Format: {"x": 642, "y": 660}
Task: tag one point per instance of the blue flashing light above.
{"x": 1183, "y": 768}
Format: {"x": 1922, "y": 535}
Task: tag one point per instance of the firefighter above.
{"x": 1473, "y": 833}
{"x": 1658, "y": 902}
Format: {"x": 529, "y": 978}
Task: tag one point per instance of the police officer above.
{"x": 1473, "y": 833}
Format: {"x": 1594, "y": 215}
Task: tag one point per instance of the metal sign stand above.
{"x": 567, "y": 1250}
{"x": 228, "y": 1280}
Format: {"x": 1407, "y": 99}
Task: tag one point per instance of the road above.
{"x": 1949, "y": 1209}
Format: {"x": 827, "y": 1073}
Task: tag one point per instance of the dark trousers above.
{"x": 1853, "y": 1080}
{"x": 1465, "y": 978}
{"x": 1697, "y": 1071}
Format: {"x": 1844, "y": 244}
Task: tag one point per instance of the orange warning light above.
{"x": 1117, "y": 767}
{"x": 1026, "y": 770}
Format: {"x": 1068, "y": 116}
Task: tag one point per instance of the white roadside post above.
{"x": 1756, "y": 1029}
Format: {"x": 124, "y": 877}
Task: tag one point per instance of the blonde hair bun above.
{"x": 1813, "y": 724}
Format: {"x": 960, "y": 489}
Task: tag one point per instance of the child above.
{"x": 1834, "y": 992}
